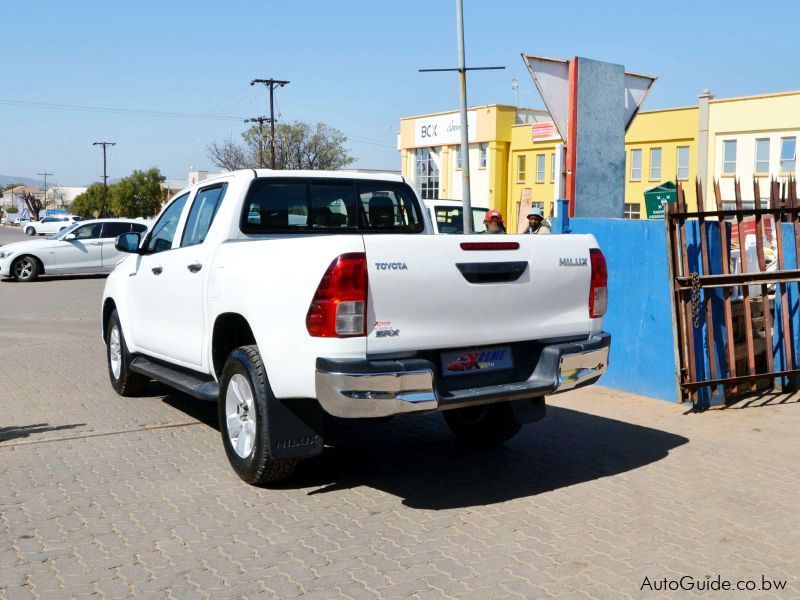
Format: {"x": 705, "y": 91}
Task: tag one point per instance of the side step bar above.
{"x": 194, "y": 384}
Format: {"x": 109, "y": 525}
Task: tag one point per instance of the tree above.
{"x": 11, "y": 209}
{"x": 298, "y": 145}
{"x": 229, "y": 156}
{"x": 137, "y": 195}
{"x": 89, "y": 202}
{"x": 33, "y": 203}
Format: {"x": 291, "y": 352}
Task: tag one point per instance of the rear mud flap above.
{"x": 295, "y": 428}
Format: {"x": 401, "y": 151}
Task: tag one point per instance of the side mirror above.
{"x": 70, "y": 237}
{"x": 128, "y": 242}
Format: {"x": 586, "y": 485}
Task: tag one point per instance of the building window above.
{"x": 762, "y": 156}
{"x": 788, "y": 154}
{"x": 427, "y": 174}
{"x": 553, "y": 167}
{"x": 483, "y": 155}
{"x": 683, "y": 162}
{"x": 729, "y": 156}
{"x": 459, "y": 162}
{"x": 540, "y": 158}
{"x": 633, "y": 211}
{"x": 636, "y": 165}
{"x": 655, "y": 164}
{"x": 521, "y": 168}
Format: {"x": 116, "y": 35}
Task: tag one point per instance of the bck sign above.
{"x": 428, "y": 131}
{"x": 443, "y": 129}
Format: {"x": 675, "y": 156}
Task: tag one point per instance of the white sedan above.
{"x": 84, "y": 247}
{"x": 50, "y": 225}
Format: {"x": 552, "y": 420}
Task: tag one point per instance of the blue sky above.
{"x": 352, "y": 64}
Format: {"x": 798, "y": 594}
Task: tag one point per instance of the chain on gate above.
{"x": 695, "y": 281}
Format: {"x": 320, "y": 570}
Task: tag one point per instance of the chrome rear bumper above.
{"x": 362, "y": 389}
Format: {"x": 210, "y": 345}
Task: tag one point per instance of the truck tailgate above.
{"x": 429, "y": 292}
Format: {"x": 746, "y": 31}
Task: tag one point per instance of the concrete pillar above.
{"x": 702, "y": 147}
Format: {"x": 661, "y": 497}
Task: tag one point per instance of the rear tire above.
{"x": 25, "y": 269}
{"x": 124, "y": 381}
{"x": 243, "y": 401}
{"x": 483, "y": 426}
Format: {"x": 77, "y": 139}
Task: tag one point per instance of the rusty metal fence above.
{"x": 736, "y": 322}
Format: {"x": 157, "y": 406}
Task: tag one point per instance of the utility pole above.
{"x": 44, "y": 199}
{"x": 271, "y": 84}
{"x": 462, "y": 75}
{"x": 105, "y": 175}
{"x": 261, "y": 121}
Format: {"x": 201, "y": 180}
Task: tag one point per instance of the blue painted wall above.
{"x": 639, "y": 315}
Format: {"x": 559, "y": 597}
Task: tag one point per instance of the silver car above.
{"x": 83, "y": 247}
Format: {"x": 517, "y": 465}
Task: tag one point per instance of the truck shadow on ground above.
{"x": 25, "y": 431}
{"x": 417, "y": 459}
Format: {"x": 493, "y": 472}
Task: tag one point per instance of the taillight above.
{"x": 598, "y": 291}
{"x": 339, "y": 307}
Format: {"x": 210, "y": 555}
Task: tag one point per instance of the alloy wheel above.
{"x": 240, "y": 414}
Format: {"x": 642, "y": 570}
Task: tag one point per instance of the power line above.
{"x": 271, "y": 84}
{"x": 260, "y": 121}
{"x": 105, "y": 175}
{"x": 118, "y": 111}
{"x": 44, "y": 199}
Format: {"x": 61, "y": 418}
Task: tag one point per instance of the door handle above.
{"x": 157, "y": 270}
{"x": 194, "y": 267}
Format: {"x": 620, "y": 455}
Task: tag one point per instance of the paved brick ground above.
{"x": 111, "y": 497}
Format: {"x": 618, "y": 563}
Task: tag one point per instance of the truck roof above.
{"x": 248, "y": 173}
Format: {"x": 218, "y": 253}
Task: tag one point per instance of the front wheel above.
{"x": 244, "y": 395}
{"x": 483, "y": 426}
{"x": 25, "y": 268}
{"x": 124, "y": 381}
{"x": 30, "y": 231}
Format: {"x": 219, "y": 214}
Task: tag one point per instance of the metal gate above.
{"x": 735, "y": 322}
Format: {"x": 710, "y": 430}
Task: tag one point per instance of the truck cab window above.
{"x": 204, "y": 209}
{"x": 164, "y": 230}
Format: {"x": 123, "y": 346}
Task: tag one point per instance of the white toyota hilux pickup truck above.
{"x": 287, "y": 295}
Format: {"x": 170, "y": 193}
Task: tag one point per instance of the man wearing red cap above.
{"x": 494, "y": 222}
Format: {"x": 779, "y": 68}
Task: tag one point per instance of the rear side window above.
{"x": 204, "y": 209}
{"x": 450, "y": 219}
{"x": 112, "y": 230}
{"x": 137, "y": 228}
{"x": 328, "y": 206}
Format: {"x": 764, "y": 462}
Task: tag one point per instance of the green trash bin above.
{"x": 656, "y": 199}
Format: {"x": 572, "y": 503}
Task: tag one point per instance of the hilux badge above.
{"x": 573, "y": 262}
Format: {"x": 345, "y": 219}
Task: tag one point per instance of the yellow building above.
{"x": 430, "y": 148}
{"x": 535, "y": 168}
{"x": 516, "y": 155}
{"x": 661, "y": 145}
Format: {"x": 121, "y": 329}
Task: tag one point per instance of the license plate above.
{"x": 480, "y": 360}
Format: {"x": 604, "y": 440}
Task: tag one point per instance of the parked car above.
{"x": 283, "y": 295}
{"x": 447, "y": 216}
{"x": 83, "y": 247}
{"x": 50, "y": 225}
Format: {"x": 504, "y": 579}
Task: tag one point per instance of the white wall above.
{"x": 479, "y": 177}
{"x": 746, "y": 162}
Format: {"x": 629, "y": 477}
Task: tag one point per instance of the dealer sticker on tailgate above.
{"x": 480, "y": 360}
